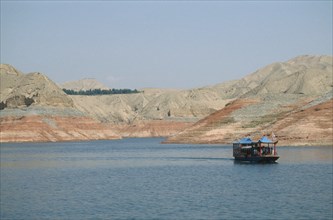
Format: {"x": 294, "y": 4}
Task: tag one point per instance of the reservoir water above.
{"x": 143, "y": 179}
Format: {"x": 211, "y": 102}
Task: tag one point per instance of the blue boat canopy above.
{"x": 266, "y": 140}
{"x": 245, "y": 141}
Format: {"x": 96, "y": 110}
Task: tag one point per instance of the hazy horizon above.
{"x": 138, "y": 44}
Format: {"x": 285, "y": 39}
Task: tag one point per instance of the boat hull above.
{"x": 258, "y": 159}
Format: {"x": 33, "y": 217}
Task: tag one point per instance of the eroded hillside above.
{"x": 288, "y": 98}
{"x": 33, "y": 108}
{"x": 292, "y": 99}
{"x": 294, "y": 123}
{"x": 22, "y": 90}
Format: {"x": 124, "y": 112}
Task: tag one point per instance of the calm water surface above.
{"x": 142, "y": 179}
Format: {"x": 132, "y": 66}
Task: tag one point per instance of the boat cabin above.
{"x": 248, "y": 150}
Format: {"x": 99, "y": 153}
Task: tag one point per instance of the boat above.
{"x": 261, "y": 151}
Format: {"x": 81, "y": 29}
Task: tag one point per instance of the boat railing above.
{"x": 267, "y": 151}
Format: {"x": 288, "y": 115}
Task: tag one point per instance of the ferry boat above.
{"x": 262, "y": 151}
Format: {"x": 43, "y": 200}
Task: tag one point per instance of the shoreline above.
{"x": 163, "y": 142}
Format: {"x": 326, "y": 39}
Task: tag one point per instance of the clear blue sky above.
{"x": 177, "y": 44}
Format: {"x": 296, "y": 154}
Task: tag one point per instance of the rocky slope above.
{"x": 185, "y": 106}
{"x": 33, "y": 108}
{"x": 293, "y": 99}
{"x": 308, "y": 75}
{"x": 293, "y": 124}
{"x": 18, "y": 90}
{"x": 309, "y": 126}
{"x": 151, "y": 128}
{"x": 37, "y": 128}
{"x": 304, "y": 75}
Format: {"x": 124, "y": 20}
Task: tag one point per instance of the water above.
{"x": 142, "y": 179}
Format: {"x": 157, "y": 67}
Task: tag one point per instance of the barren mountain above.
{"x": 271, "y": 99}
{"x": 33, "y": 108}
{"x": 304, "y": 75}
{"x": 18, "y": 90}
{"x": 9, "y": 79}
{"x": 293, "y": 124}
{"x": 292, "y": 98}
{"x": 308, "y": 75}
{"x": 84, "y": 84}
{"x": 187, "y": 106}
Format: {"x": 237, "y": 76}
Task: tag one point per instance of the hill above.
{"x": 297, "y": 123}
{"x": 307, "y": 75}
{"x": 187, "y": 106}
{"x": 18, "y": 90}
{"x": 276, "y": 98}
{"x": 33, "y": 108}
{"x": 302, "y": 76}
{"x": 84, "y": 84}
{"x": 293, "y": 99}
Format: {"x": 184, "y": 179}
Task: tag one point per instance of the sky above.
{"x": 161, "y": 44}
